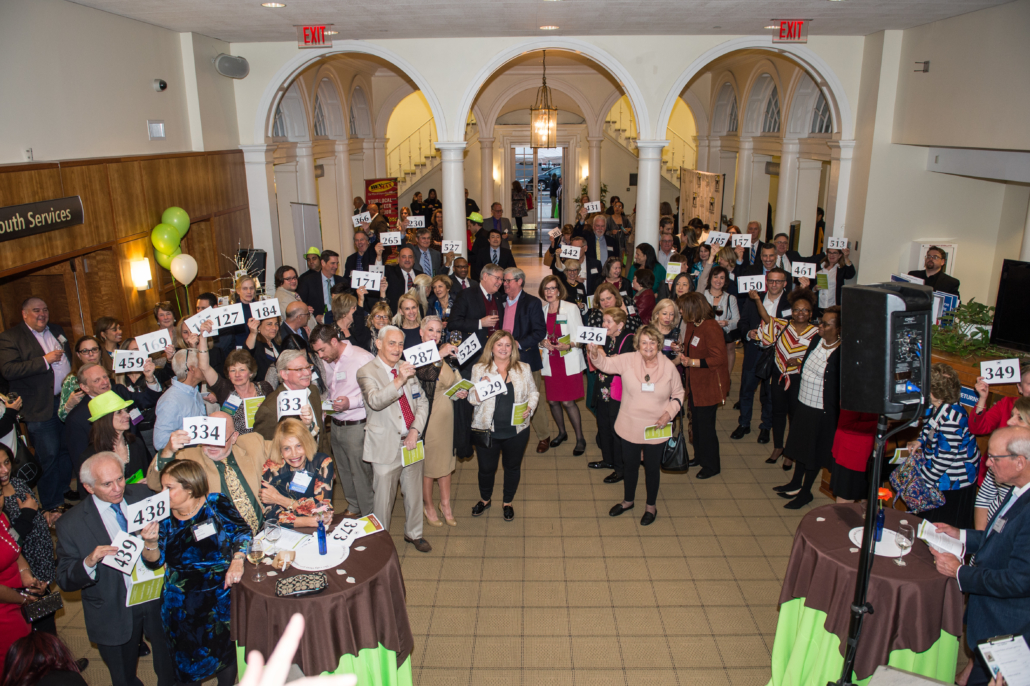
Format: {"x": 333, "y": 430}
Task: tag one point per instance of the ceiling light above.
{"x": 773, "y": 26}
{"x": 330, "y": 32}
{"x": 273, "y": 4}
{"x": 549, "y": 28}
{"x": 543, "y": 115}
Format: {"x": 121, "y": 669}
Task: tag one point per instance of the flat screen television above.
{"x": 1011, "y": 324}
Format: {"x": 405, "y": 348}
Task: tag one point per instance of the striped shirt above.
{"x": 953, "y": 456}
{"x": 790, "y": 347}
{"x": 991, "y": 495}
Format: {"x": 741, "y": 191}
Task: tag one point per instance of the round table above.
{"x": 917, "y": 619}
{"x": 350, "y": 628}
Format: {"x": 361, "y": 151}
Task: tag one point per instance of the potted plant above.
{"x": 966, "y": 331}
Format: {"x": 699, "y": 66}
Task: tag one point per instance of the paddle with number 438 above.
{"x": 152, "y": 509}
{"x": 590, "y": 334}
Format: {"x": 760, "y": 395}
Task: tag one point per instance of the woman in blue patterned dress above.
{"x": 202, "y": 545}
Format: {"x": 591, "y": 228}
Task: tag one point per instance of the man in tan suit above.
{"x": 295, "y": 371}
{"x": 396, "y": 411}
{"x": 233, "y": 468}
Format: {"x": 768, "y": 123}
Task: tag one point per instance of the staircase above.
{"x": 621, "y": 129}
{"x": 416, "y": 155}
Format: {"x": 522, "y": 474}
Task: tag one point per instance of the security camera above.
{"x": 160, "y": 85}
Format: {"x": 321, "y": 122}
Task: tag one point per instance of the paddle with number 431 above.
{"x": 126, "y": 361}
{"x": 422, "y": 354}
{"x": 205, "y": 430}
{"x": 590, "y": 334}
{"x": 152, "y": 509}
{"x": 491, "y": 386}
{"x": 265, "y": 309}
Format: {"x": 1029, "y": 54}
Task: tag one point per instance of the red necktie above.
{"x": 409, "y": 417}
{"x": 410, "y": 285}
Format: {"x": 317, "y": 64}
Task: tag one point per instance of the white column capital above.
{"x": 595, "y": 140}
{"x": 806, "y": 164}
{"x": 262, "y": 153}
{"x": 304, "y": 148}
{"x": 450, "y": 145}
{"x": 651, "y": 146}
{"x": 483, "y": 140}
{"x": 841, "y": 150}
{"x": 790, "y": 146}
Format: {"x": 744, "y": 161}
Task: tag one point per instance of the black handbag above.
{"x": 301, "y": 585}
{"x": 674, "y": 456}
{"x": 481, "y": 438}
{"x": 766, "y": 365}
{"x": 46, "y": 605}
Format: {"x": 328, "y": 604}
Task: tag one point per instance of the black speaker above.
{"x": 885, "y": 347}
{"x": 255, "y": 260}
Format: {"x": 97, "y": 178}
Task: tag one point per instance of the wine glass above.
{"x": 904, "y": 539}
{"x": 455, "y": 338}
{"x": 272, "y": 533}
{"x": 255, "y": 555}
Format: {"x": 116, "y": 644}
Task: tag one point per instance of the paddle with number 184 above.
{"x": 265, "y": 309}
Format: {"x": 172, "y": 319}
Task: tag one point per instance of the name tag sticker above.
{"x": 204, "y": 530}
{"x": 300, "y": 482}
{"x": 135, "y": 416}
{"x": 341, "y": 376}
{"x": 999, "y": 524}
{"x": 695, "y": 340}
{"x": 647, "y": 387}
{"x": 232, "y": 403}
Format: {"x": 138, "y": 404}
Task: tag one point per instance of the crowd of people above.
{"x": 673, "y": 317}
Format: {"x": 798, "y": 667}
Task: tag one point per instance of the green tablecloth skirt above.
{"x": 373, "y": 666}
{"x": 806, "y": 654}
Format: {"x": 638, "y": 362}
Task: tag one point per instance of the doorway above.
{"x": 540, "y": 172}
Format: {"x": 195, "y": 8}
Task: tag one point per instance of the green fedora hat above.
{"x": 476, "y": 218}
{"x": 106, "y": 403}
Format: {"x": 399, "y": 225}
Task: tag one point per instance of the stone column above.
{"x": 594, "y": 180}
{"x": 380, "y": 157}
{"x": 758, "y": 202}
{"x": 649, "y": 179}
{"x": 264, "y": 215}
{"x": 368, "y": 160}
{"x": 728, "y": 167}
{"x": 786, "y": 193}
{"x": 742, "y": 189}
{"x": 701, "y": 145}
{"x": 1024, "y": 252}
{"x": 453, "y": 197}
{"x": 344, "y": 199}
{"x": 306, "y": 191}
{"x": 806, "y": 203}
{"x": 840, "y": 183}
{"x": 486, "y": 181}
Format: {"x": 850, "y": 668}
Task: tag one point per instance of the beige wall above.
{"x": 210, "y": 97}
{"x": 977, "y": 93}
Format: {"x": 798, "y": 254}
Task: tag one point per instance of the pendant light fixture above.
{"x": 543, "y": 116}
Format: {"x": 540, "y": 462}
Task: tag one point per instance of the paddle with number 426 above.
{"x": 590, "y": 334}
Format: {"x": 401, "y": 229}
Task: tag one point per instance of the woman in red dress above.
{"x": 563, "y": 361}
{"x": 14, "y": 575}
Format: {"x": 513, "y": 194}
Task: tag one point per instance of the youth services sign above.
{"x": 39, "y": 217}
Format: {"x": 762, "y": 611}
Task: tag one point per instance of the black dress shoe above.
{"x": 785, "y": 487}
{"x": 144, "y": 649}
{"x": 421, "y": 544}
{"x": 648, "y": 518}
{"x": 789, "y": 494}
{"x": 705, "y": 473}
{"x": 613, "y": 478}
{"x": 559, "y": 439}
{"x": 800, "y": 501}
{"x": 479, "y": 508}
{"x": 736, "y": 405}
{"x": 71, "y": 495}
{"x": 599, "y": 465}
{"x": 581, "y": 447}
{"x": 694, "y": 463}
{"x": 509, "y": 513}
{"x": 763, "y": 435}
{"x": 618, "y": 509}
{"x": 740, "y": 432}
{"x": 82, "y": 663}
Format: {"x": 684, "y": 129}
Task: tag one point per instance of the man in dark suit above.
{"x": 522, "y": 315}
{"x": 476, "y": 311}
{"x": 34, "y": 359}
{"x": 775, "y": 301}
{"x": 470, "y": 204}
{"x": 766, "y": 262}
{"x": 94, "y": 380}
{"x": 400, "y": 278}
{"x": 84, "y": 536}
{"x": 427, "y": 258}
{"x": 496, "y": 220}
{"x": 492, "y": 253}
{"x": 933, "y": 276}
{"x": 362, "y": 258}
{"x": 590, "y": 268}
{"x": 996, "y": 577}
{"x": 785, "y": 258}
{"x": 295, "y": 321}
{"x": 379, "y": 223}
{"x": 315, "y": 288}
{"x": 460, "y": 277}
{"x": 601, "y": 246}
{"x": 751, "y": 255}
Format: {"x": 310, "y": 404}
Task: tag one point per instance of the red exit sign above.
{"x": 315, "y": 36}
{"x": 792, "y": 31}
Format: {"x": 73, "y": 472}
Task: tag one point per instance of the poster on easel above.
{"x": 383, "y": 192}
{"x": 701, "y": 196}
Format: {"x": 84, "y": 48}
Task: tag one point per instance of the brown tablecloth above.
{"x": 341, "y": 620}
{"x": 912, "y": 604}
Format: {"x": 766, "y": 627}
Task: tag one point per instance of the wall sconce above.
{"x": 141, "y": 274}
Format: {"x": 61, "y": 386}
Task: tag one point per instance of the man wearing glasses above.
{"x": 933, "y": 276}
{"x": 996, "y": 577}
{"x": 775, "y": 302}
{"x": 295, "y": 371}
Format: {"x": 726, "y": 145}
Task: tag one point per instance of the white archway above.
{"x": 294, "y": 108}
{"x": 813, "y": 64}
{"x": 762, "y": 85}
{"x": 332, "y": 107}
{"x": 289, "y": 72}
{"x": 589, "y": 50}
{"x": 531, "y": 82}
{"x": 800, "y": 107}
{"x": 727, "y": 104}
{"x": 697, "y": 110}
{"x": 389, "y": 105}
{"x": 360, "y": 114}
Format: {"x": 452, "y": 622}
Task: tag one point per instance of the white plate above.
{"x": 885, "y": 548}
{"x": 309, "y": 560}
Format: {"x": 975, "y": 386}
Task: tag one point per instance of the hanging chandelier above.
{"x": 543, "y": 116}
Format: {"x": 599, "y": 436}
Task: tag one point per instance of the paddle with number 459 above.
{"x": 126, "y": 361}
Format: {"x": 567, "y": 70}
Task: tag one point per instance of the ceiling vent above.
{"x": 233, "y": 67}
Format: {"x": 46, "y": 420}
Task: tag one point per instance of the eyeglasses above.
{"x": 381, "y": 318}
{"x": 550, "y": 288}
{"x": 998, "y": 457}
{"x": 290, "y": 278}
{"x": 511, "y": 281}
{"x": 776, "y": 281}
{"x": 88, "y": 351}
{"x": 937, "y": 258}
{"x": 306, "y": 368}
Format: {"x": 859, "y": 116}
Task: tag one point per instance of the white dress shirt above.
{"x": 111, "y": 524}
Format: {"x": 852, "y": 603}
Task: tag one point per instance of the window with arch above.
{"x": 821, "y": 116}
{"x": 771, "y": 120}
{"x": 279, "y": 123}
{"x": 320, "y": 127}
{"x": 733, "y": 116}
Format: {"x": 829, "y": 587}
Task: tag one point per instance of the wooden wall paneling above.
{"x": 18, "y": 188}
{"x": 237, "y": 180}
{"x": 129, "y": 205}
{"x": 90, "y": 184}
{"x": 103, "y": 289}
{"x": 167, "y": 183}
{"x": 138, "y": 303}
{"x": 200, "y": 243}
{"x": 232, "y": 232}
{"x": 73, "y": 289}
{"x": 47, "y": 284}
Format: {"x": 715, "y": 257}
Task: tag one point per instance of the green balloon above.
{"x": 165, "y": 259}
{"x": 177, "y": 217}
{"x": 165, "y": 238}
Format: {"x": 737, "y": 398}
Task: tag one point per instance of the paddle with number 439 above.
{"x": 422, "y": 354}
{"x": 590, "y": 334}
{"x": 205, "y": 430}
{"x": 491, "y": 386}
{"x": 126, "y": 361}
{"x": 129, "y": 550}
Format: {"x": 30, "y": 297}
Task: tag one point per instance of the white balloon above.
{"x": 184, "y": 269}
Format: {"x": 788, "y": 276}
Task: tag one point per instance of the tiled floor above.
{"x": 566, "y": 594}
